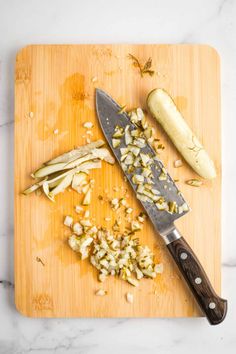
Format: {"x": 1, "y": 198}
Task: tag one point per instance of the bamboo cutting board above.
{"x": 54, "y": 89}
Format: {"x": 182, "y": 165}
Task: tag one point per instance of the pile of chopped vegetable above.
{"x": 71, "y": 168}
{"x": 112, "y": 253}
{"x": 139, "y": 164}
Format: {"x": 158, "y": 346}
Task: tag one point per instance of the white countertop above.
{"x": 105, "y": 21}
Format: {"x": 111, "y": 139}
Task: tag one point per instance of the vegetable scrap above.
{"x": 143, "y": 69}
{"x": 71, "y": 169}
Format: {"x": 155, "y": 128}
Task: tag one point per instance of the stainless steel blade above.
{"x": 107, "y": 111}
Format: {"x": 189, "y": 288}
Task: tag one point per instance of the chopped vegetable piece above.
{"x": 145, "y": 159}
{"x": 102, "y": 277}
{"x": 87, "y": 198}
{"x": 133, "y": 281}
{"x": 178, "y": 163}
{"x": 140, "y": 142}
{"x": 124, "y": 151}
{"x": 149, "y": 273}
{"x": 88, "y": 125}
{"x": 129, "y": 159}
{"x": 122, "y": 109}
{"x": 87, "y": 214}
{"x": 103, "y": 154}
{"x": 115, "y": 143}
{"x": 128, "y": 137}
{"x": 158, "y": 268}
{"x": 115, "y": 201}
{"x": 100, "y": 292}
{"x": 68, "y": 221}
{"x": 185, "y": 207}
{"x": 135, "y": 226}
{"x": 134, "y": 149}
{"x": 119, "y": 132}
{"x": 78, "y": 179}
{"x": 80, "y": 244}
{"x": 173, "y": 208}
{"x": 138, "y": 179}
{"x": 85, "y": 222}
{"x": 94, "y": 79}
{"x": 78, "y": 229}
{"x": 130, "y": 298}
{"x": 128, "y": 210}
{"x": 163, "y": 176}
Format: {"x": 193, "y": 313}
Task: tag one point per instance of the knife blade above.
{"x": 214, "y": 307}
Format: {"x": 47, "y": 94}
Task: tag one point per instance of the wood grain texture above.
{"x": 55, "y": 83}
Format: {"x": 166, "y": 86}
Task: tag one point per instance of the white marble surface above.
{"x": 105, "y": 21}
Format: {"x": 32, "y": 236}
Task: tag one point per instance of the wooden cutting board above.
{"x": 54, "y": 89}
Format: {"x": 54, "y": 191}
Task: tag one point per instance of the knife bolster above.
{"x": 171, "y": 236}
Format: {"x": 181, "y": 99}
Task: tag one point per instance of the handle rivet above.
{"x": 183, "y": 256}
{"x": 212, "y": 305}
{"x": 198, "y": 280}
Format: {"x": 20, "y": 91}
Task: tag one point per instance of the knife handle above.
{"x": 212, "y": 305}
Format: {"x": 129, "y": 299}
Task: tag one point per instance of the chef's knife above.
{"x": 212, "y": 305}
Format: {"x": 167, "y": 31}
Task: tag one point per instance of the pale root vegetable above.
{"x": 163, "y": 108}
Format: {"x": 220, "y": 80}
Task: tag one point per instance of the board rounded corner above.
{"x": 21, "y": 311}
{"x": 212, "y": 49}
{"x": 23, "y": 49}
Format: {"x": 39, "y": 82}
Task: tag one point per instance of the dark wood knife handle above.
{"x": 212, "y": 305}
